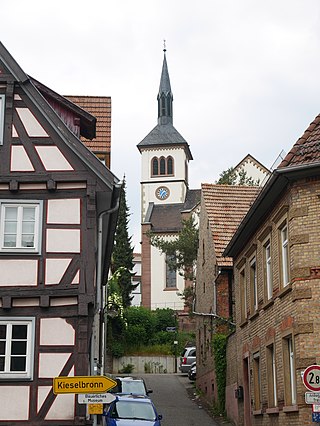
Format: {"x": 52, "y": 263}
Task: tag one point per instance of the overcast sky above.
{"x": 244, "y": 73}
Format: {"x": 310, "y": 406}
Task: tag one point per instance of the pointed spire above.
{"x": 165, "y": 96}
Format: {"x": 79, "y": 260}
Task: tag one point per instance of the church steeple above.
{"x": 165, "y": 97}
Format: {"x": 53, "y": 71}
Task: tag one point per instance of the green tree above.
{"x": 232, "y": 177}
{"x": 122, "y": 256}
{"x": 182, "y": 251}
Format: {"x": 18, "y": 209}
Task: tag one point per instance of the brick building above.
{"x": 276, "y": 278}
{"x": 222, "y": 208}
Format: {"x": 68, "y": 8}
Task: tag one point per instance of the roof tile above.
{"x": 99, "y": 107}
{"x": 226, "y": 205}
{"x": 307, "y": 148}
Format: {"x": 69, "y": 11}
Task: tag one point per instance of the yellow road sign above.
{"x": 95, "y": 409}
{"x": 82, "y": 384}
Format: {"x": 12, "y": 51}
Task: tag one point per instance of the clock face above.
{"x": 162, "y": 193}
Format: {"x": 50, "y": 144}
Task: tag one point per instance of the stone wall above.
{"x": 146, "y": 364}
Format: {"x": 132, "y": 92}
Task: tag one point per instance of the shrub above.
{"x": 126, "y": 369}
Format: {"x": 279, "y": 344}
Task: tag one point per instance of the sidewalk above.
{"x": 202, "y": 403}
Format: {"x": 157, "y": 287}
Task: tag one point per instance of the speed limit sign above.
{"x": 311, "y": 378}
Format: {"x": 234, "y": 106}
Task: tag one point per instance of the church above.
{"x": 165, "y": 201}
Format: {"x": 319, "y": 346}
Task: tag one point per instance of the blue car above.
{"x": 132, "y": 410}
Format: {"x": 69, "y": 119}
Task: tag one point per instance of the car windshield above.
{"x": 134, "y": 387}
{"x": 133, "y": 410}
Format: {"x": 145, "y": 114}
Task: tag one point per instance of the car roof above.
{"x": 133, "y": 397}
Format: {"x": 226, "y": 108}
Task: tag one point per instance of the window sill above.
{"x": 171, "y": 289}
{"x": 257, "y": 412}
{"x": 269, "y": 303}
{"x": 243, "y": 323}
{"x": 290, "y": 408}
{"x": 284, "y": 291}
{"x": 273, "y": 410}
{"x": 254, "y": 315}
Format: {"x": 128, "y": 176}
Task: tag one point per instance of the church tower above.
{"x": 165, "y": 154}
{"x": 165, "y": 199}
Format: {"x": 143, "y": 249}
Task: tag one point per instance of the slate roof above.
{"x": 226, "y": 206}
{"x": 164, "y": 135}
{"x": 166, "y": 218}
{"x": 307, "y": 148}
{"x": 99, "y": 107}
{"x": 193, "y": 198}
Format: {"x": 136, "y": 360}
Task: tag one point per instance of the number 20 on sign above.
{"x": 311, "y": 378}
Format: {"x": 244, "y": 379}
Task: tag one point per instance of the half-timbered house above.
{"x": 58, "y": 211}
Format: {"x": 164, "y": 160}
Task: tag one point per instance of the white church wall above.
{"x": 160, "y": 296}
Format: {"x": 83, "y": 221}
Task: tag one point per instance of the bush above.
{"x": 126, "y": 369}
{"x": 117, "y": 349}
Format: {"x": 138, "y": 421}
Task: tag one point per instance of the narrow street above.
{"x": 171, "y": 399}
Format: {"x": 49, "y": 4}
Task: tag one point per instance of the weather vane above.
{"x": 164, "y": 46}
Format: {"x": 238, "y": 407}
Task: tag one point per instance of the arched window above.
{"x": 169, "y": 166}
{"x": 162, "y": 166}
{"x": 155, "y": 166}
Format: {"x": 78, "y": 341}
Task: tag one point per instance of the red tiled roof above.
{"x": 307, "y": 148}
{"x": 99, "y": 107}
{"x": 226, "y": 206}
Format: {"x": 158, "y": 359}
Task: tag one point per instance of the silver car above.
{"x": 187, "y": 357}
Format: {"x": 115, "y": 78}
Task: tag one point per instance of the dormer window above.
{"x": 2, "y": 109}
{"x": 163, "y": 166}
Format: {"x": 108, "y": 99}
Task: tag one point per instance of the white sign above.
{"x": 311, "y": 378}
{"x": 312, "y": 397}
{"x": 96, "y": 398}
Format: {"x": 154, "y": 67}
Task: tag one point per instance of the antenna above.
{"x": 164, "y": 46}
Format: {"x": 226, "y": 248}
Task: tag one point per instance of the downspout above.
{"x": 96, "y": 337}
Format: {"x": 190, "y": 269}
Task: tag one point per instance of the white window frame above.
{"x": 28, "y": 373}
{"x": 37, "y": 227}
{"x": 268, "y": 269}
{"x": 284, "y": 253}
{"x": 2, "y": 110}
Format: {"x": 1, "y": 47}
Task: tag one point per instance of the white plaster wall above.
{"x": 31, "y": 301}
{"x": 22, "y": 272}
{"x": 63, "y": 301}
{"x": 20, "y": 160}
{"x": 51, "y": 364}
{"x": 14, "y": 402}
{"x": 161, "y": 298}
{"x": 30, "y": 123}
{"x": 63, "y": 240}
{"x": 178, "y": 154}
{"x": 148, "y": 194}
{"x": 56, "y": 331}
{"x": 64, "y": 211}
{"x": 62, "y": 408}
{"x": 55, "y": 269}
{"x": 254, "y": 172}
{"x": 52, "y": 158}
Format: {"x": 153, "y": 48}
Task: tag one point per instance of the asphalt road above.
{"x": 171, "y": 399}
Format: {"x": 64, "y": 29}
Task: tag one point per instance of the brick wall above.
{"x": 293, "y": 310}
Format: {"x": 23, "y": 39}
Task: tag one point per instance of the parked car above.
{"x": 192, "y": 372}
{"x": 188, "y": 356}
{"x": 130, "y": 385}
{"x": 127, "y": 410}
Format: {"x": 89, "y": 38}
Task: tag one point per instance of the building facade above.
{"x": 58, "y": 212}
{"x": 276, "y": 272}
{"x": 221, "y": 211}
{"x": 165, "y": 199}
